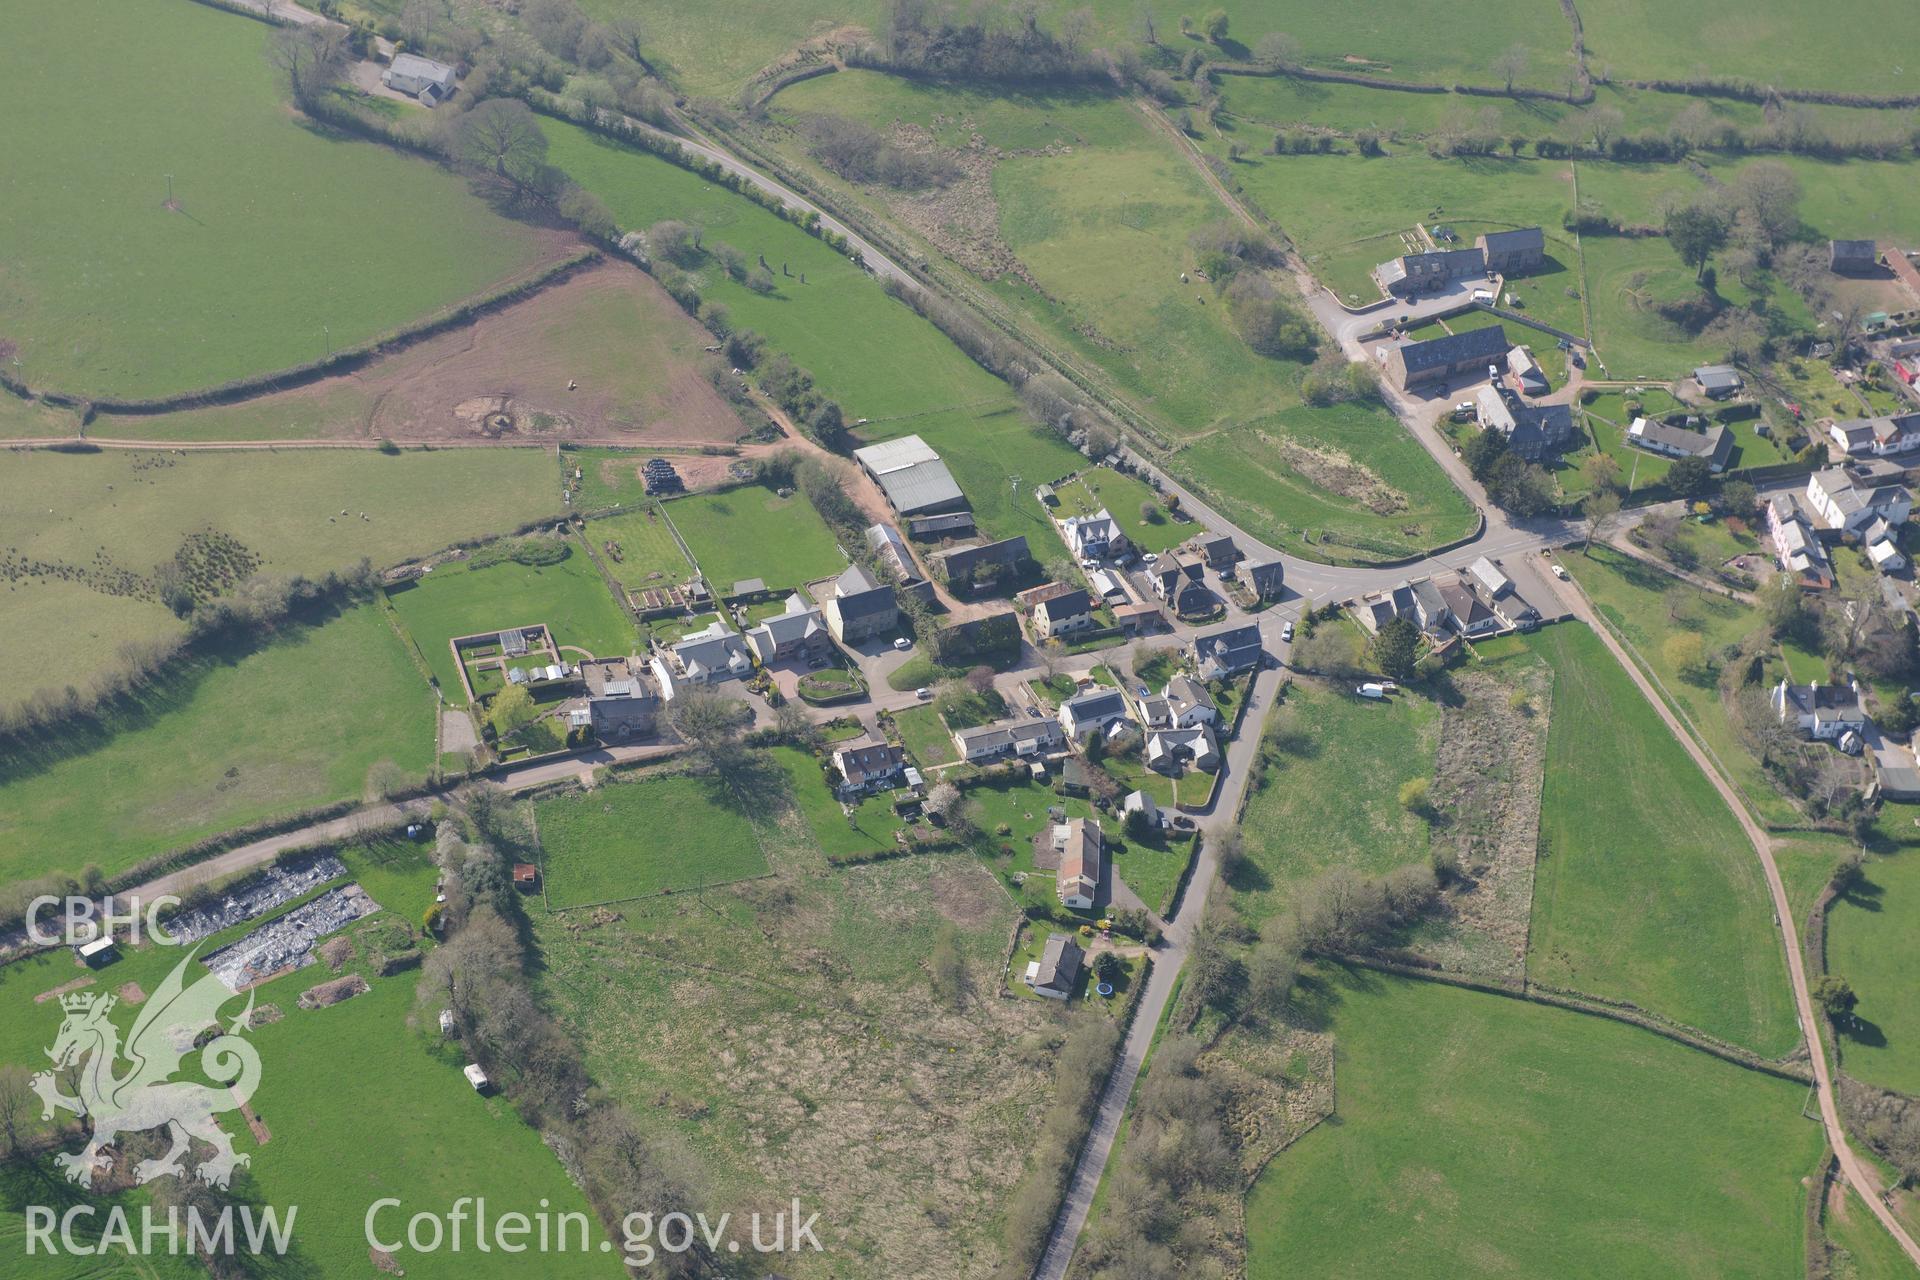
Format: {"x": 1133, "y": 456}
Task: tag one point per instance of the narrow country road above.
{"x": 1851, "y": 1167}
{"x": 1167, "y": 961}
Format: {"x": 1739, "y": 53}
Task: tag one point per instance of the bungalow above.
{"x": 620, "y": 704}
{"x": 1082, "y": 848}
{"x": 1715, "y": 444}
{"x": 1849, "y": 498}
{"x": 800, "y": 632}
{"x": 1799, "y": 552}
{"x": 1852, "y": 257}
{"x": 1057, "y": 972}
{"x": 1718, "y": 381}
{"x": 1228, "y": 652}
{"x": 1091, "y": 711}
{"x": 423, "y": 78}
{"x": 868, "y": 766}
{"x": 1009, "y": 738}
{"x": 1513, "y": 253}
{"x": 1063, "y": 614}
{"x": 1877, "y": 436}
{"x": 1267, "y": 581}
{"x": 705, "y": 657}
{"x": 1417, "y": 273}
{"x": 1189, "y": 703}
{"x": 860, "y": 608}
{"x": 1093, "y": 537}
{"x": 1414, "y": 364}
{"x": 1169, "y": 749}
{"x": 1822, "y": 711}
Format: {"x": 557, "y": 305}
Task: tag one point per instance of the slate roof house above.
{"x": 1877, "y": 436}
{"x": 1093, "y": 710}
{"x": 1715, "y": 444}
{"x": 1513, "y": 253}
{"x": 1217, "y": 550}
{"x": 1800, "y": 553}
{"x": 1009, "y": 738}
{"x": 800, "y": 632}
{"x": 1168, "y": 749}
{"x": 1228, "y": 652}
{"x": 1083, "y": 850}
{"x": 1822, "y": 711}
{"x": 868, "y": 766}
{"x": 1415, "y": 364}
{"x": 1063, "y": 614}
{"x": 1849, "y": 498}
{"x": 1266, "y": 580}
{"x": 860, "y": 608}
{"x": 1057, "y": 971}
{"x": 620, "y": 704}
{"x": 1189, "y": 703}
{"x": 1533, "y": 432}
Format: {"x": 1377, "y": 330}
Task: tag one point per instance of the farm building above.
{"x": 860, "y": 608}
{"x": 1415, "y": 364}
{"x": 1852, "y": 257}
{"x": 1718, "y": 381}
{"x": 423, "y": 78}
{"x": 1513, "y": 253}
{"x": 1057, "y": 971}
{"x": 988, "y": 560}
{"x": 1418, "y": 273}
{"x": 912, "y": 476}
{"x": 1527, "y": 372}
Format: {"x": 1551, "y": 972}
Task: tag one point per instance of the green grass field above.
{"x": 136, "y": 508}
{"x": 1774, "y": 41}
{"x": 752, "y": 532}
{"x": 632, "y": 839}
{"x": 108, "y": 292}
{"x": 1305, "y": 815}
{"x": 901, "y": 365}
{"x": 1872, "y": 942}
{"x": 1478, "y": 1135}
{"x": 568, "y": 597}
{"x": 1646, "y": 889}
{"x": 649, "y": 557}
{"x": 1345, "y": 483}
{"x": 231, "y": 741}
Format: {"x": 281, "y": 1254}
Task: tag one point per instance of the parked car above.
{"x": 903, "y": 643}
{"x": 1370, "y": 690}
{"x": 923, "y": 693}
{"x": 1150, "y": 557}
{"x": 1036, "y": 713}
{"x": 1560, "y": 572}
{"x": 1286, "y": 633}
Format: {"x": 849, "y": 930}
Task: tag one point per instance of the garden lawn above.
{"x": 901, "y": 363}
{"x": 1125, "y": 498}
{"x": 1633, "y": 596}
{"x": 229, "y": 741}
{"x": 924, "y": 736}
{"x": 570, "y": 598}
{"x": 1346, "y": 484}
{"x": 110, "y": 293}
{"x": 633, "y": 839}
{"x": 1874, "y": 942}
{"x": 649, "y": 557}
{"x": 752, "y": 532}
{"x": 1485, "y": 1136}
{"x": 1646, "y": 889}
{"x": 873, "y": 824}
{"x": 1306, "y": 816}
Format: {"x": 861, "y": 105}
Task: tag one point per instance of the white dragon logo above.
{"x": 144, "y": 1097}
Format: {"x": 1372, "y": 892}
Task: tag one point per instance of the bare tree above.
{"x": 1601, "y": 507}
{"x": 502, "y": 139}
{"x": 310, "y": 58}
{"x": 1279, "y": 49}
{"x": 709, "y": 724}
{"x": 1512, "y": 64}
{"x": 17, "y": 1103}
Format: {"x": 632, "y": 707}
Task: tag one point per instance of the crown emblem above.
{"x": 82, "y": 1001}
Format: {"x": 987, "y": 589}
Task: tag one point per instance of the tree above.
{"x": 512, "y": 710}
{"x": 1512, "y": 64}
{"x": 943, "y": 799}
{"x": 17, "y": 1105}
{"x": 1769, "y": 194}
{"x": 1685, "y": 652}
{"x": 1279, "y": 49}
{"x": 1601, "y": 124}
{"x": 1483, "y": 453}
{"x": 1834, "y": 994}
{"x": 1696, "y": 234}
{"x": 791, "y": 722}
{"x": 1601, "y": 507}
{"x": 1415, "y": 797}
{"x": 1216, "y": 27}
{"x": 1107, "y": 967}
{"x": 1603, "y": 471}
{"x": 1781, "y": 606}
{"x": 1394, "y": 647}
{"x": 709, "y": 724}
{"x": 310, "y": 58}
{"x": 1690, "y": 477}
{"x": 828, "y": 426}
{"x": 502, "y": 139}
